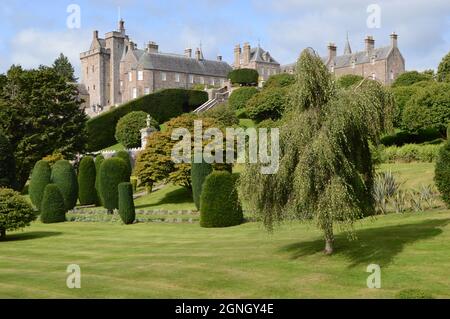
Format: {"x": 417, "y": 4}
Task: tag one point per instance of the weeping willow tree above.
{"x": 326, "y": 172}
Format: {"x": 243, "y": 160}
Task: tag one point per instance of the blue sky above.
{"x": 34, "y": 33}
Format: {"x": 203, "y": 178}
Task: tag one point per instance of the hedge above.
{"x": 219, "y": 203}
{"x": 409, "y": 153}
{"x": 86, "y": 181}
{"x": 162, "y": 106}
{"x": 402, "y": 137}
{"x": 126, "y": 204}
{"x": 63, "y": 175}
{"x": 40, "y": 177}
{"x": 53, "y": 208}
{"x": 113, "y": 171}
{"x": 238, "y": 99}
{"x": 442, "y": 172}
{"x": 246, "y": 77}
{"x": 199, "y": 172}
{"x": 98, "y": 162}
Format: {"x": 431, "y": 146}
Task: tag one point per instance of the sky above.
{"x": 35, "y": 32}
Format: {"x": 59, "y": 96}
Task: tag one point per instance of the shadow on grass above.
{"x": 373, "y": 245}
{"x": 177, "y": 196}
{"x": 29, "y": 235}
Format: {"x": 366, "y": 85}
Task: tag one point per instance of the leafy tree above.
{"x": 402, "y": 94}
{"x": 86, "y": 181}
{"x": 64, "y": 69}
{"x": 348, "y": 80}
{"x": 64, "y": 176}
{"x": 53, "y": 208}
{"x": 40, "y": 114}
{"x": 429, "y": 108}
{"x": 244, "y": 77}
{"x": 113, "y": 171}
{"x": 268, "y": 104}
{"x": 126, "y": 204}
{"x": 128, "y": 129}
{"x": 410, "y": 77}
{"x": 40, "y": 178}
{"x": 15, "y": 212}
{"x": 325, "y": 170}
{"x": 239, "y": 97}
{"x": 199, "y": 172}
{"x": 279, "y": 81}
{"x": 442, "y": 172}
{"x": 223, "y": 115}
{"x": 443, "y": 72}
{"x": 7, "y": 163}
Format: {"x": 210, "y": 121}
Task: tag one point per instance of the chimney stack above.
{"x": 95, "y": 34}
{"x": 237, "y": 55}
{"x": 394, "y": 39}
{"x": 131, "y": 46}
{"x": 188, "y": 53}
{"x": 122, "y": 26}
{"x": 198, "y": 55}
{"x": 370, "y": 44}
{"x": 219, "y": 58}
{"x": 152, "y": 47}
{"x": 246, "y": 53}
{"x": 332, "y": 50}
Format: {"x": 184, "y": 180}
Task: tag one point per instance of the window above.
{"x": 121, "y": 83}
{"x": 392, "y": 75}
{"x": 212, "y": 81}
{"x": 130, "y": 76}
{"x": 140, "y": 75}
{"x": 372, "y": 60}
{"x": 191, "y": 78}
{"x": 163, "y": 76}
{"x": 134, "y": 93}
{"x": 202, "y": 80}
{"x": 147, "y": 91}
{"x": 94, "y": 87}
{"x": 177, "y": 77}
{"x": 87, "y": 70}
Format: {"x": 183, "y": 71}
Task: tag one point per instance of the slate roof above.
{"x": 259, "y": 55}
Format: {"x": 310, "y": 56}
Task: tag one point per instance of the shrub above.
{"x": 442, "y": 172}
{"x": 245, "y": 77}
{"x": 219, "y": 204}
{"x": 40, "y": 177}
{"x": 53, "y": 208}
{"x": 199, "y": 172}
{"x": 86, "y": 181}
{"x": 63, "y": 175}
{"x": 223, "y": 114}
{"x": 348, "y": 80}
{"x": 279, "y": 81}
{"x": 15, "y": 211}
{"x": 409, "y": 78}
{"x": 98, "y": 162}
{"x": 126, "y": 157}
{"x": 162, "y": 106}
{"x": 128, "y": 128}
{"x": 126, "y": 204}
{"x": 268, "y": 104}
{"x": 402, "y": 95}
{"x": 414, "y": 294}
{"x": 410, "y": 153}
{"x": 7, "y": 163}
{"x": 239, "y": 97}
{"x": 113, "y": 171}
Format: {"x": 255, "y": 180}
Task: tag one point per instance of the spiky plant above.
{"x": 415, "y": 201}
{"x": 427, "y": 194}
{"x": 399, "y": 201}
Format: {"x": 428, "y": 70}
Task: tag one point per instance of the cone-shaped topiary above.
{"x": 199, "y": 172}
{"x": 219, "y": 203}
{"x": 40, "y": 177}
{"x": 126, "y": 157}
{"x": 53, "y": 208}
{"x": 86, "y": 181}
{"x": 442, "y": 172}
{"x": 63, "y": 175}
{"x": 7, "y": 163}
{"x": 98, "y": 162}
{"x": 113, "y": 171}
{"x": 126, "y": 203}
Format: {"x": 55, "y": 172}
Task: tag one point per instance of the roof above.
{"x": 260, "y": 55}
{"x": 180, "y": 63}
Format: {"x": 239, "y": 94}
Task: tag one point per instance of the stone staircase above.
{"x": 218, "y": 97}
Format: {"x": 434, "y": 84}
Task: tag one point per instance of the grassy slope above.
{"x": 184, "y": 260}
{"x": 412, "y": 174}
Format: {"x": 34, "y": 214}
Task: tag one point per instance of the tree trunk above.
{"x": 2, "y": 234}
{"x": 329, "y": 239}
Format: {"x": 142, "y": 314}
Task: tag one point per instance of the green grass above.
{"x": 171, "y": 197}
{"x": 246, "y": 123}
{"x": 186, "y": 261}
{"x": 116, "y": 147}
{"x": 413, "y": 175}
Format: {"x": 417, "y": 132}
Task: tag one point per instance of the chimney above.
{"x": 152, "y": 47}
{"x": 188, "y": 53}
{"x": 131, "y": 46}
{"x": 370, "y": 44}
{"x": 237, "y": 55}
{"x": 198, "y": 55}
{"x": 95, "y": 34}
{"x": 219, "y": 58}
{"x": 332, "y": 49}
{"x": 246, "y": 53}
{"x": 394, "y": 39}
{"x": 122, "y": 26}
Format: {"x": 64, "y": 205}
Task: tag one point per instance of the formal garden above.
{"x": 363, "y": 178}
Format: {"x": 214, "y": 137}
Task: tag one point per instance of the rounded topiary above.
{"x": 126, "y": 157}
{"x": 219, "y": 203}
{"x": 246, "y": 77}
{"x": 126, "y": 204}
{"x": 15, "y": 211}
{"x": 63, "y": 175}
{"x": 442, "y": 172}
{"x": 7, "y": 163}
{"x": 238, "y": 99}
{"x": 86, "y": 181}
{"x": 98, "y": 162}
{"x": 53, "y": 207}
{"x": 199, "y": 172}
{"x": 128, "y": 128}
{"x": 113, "y": 171}
{"x": 40, "y": 177}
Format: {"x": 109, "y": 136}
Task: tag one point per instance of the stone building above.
{"x": 115, "y": 71}
{"x": 257, "y": 59}
{"x": 384, "y": 64}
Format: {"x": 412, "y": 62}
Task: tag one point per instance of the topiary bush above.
{"x": 219, "y": 203}
{"x": 126, "y": 204}
{"x": 64, "y": 176}
{"x": 15, "y": 212}
{"x": 269, "y": 104}
{"x": 126, "y": 157}
{"x": 53, "y": 207}
{"x": 442, "y": 172}
{"x": 128, "y": 128}
{"x": 98, "y": 162}
{"x": 113, "y": 171}
{"x": 87, "y": 193}
{"x": 239, "y": 97}
{"x": 7, "y": 163}
{"x": 40, "y": 177}
{"x": 199, "y": 172}
{"x": 245, "y": 77}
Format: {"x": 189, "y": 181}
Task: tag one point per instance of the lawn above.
{"x": 412, "y": 175}
{"x": 186, "y": 261}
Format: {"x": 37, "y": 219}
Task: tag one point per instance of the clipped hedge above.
{"x": 442, "y": 172}
{"x": 127, "y": 159}
{"x": 162, "y": 106}
{"x": 238, "y": 99}
{"x": 63, "y": 175}
{"x": 128, "y": 128}
{"x": 53, "y": 208}
{"x": 40, "y": 178}
{"x": 98, "y": 162}
{"x": 219, "y": 203}
{"x": 113, "y": 171}
{"x": 126, "y": 204}
{"x": 246, "y": 77}
{"x": 199, "y": 172}
{"x": 86, "y": 181}
{"x": 403, "y": 137}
